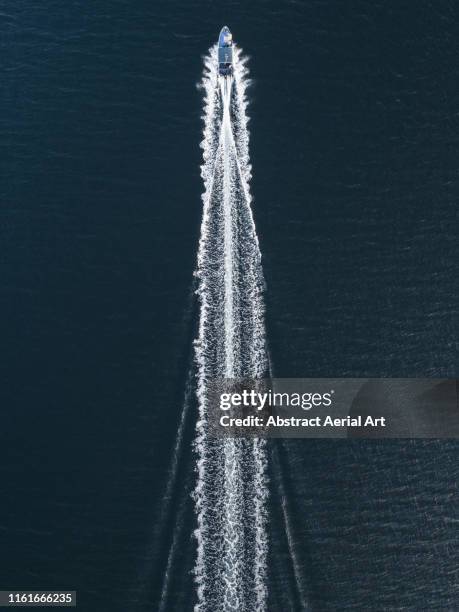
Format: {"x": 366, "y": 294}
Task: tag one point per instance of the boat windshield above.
{"x": 225, "y": 54}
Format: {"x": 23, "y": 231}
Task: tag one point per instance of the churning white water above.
{"x": 231, "y": 489}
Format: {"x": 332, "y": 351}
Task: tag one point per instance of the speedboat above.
{"x": 225, "y": 52}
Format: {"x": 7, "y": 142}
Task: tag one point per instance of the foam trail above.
{"x": 178, "y": 529}
{"x": 226, "y": 145}
{"x": 231, "y": 489}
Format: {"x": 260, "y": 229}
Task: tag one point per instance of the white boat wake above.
{"x": 232, "y": 484}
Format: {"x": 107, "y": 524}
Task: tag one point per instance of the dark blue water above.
{"x": 355, "y": 149}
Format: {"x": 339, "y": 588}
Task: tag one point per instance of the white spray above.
{"x": 231, "y": 490}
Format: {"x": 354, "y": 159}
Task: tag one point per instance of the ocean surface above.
{"x": 354, "y": 146}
